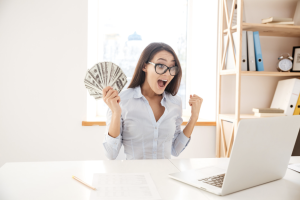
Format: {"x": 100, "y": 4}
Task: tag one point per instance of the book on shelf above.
{"x": 276, "y": 19}
{"x": 281, "y": 23}
{"x": 267, "y": 110}
{"x": 269, "y": 114}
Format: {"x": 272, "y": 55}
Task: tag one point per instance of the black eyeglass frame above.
{"x": 168, "y": 68}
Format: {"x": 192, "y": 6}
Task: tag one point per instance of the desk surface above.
{"x": 53, "y": 180}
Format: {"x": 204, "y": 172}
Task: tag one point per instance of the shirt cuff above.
{"x": 183, "y": 139}
{"x": 114, "y": 142}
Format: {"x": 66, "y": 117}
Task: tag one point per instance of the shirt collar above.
{"x": 138, "y": 93}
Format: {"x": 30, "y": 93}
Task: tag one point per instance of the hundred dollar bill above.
{"x": 104, "y": 74}
{"x": 120, "y": 83}
{"x": 96, "y": 87}
{"x": 97, "y": 74}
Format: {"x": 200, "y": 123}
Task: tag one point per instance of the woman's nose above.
{"x": 167, "y": 73}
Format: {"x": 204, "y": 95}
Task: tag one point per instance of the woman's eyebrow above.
{"x": 165, "y": 59}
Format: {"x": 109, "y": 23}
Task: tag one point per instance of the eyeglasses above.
{"x": 161, "y": 69}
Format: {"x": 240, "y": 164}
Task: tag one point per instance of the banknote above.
{"x": 104, "y": 74}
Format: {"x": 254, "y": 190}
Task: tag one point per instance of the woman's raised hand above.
{"x": 112, "y": 99}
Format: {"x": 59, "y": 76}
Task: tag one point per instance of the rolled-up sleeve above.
{"x": 112, "y": 145}
{"x": 180, "y": 141}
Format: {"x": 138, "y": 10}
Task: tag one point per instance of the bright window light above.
{"x": 125, "y": 28}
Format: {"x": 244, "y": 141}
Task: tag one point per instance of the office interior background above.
{"x": 47, "y": 47}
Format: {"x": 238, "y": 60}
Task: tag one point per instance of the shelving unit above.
{"x": 264, "y": 30}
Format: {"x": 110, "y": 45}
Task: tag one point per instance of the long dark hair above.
{"x": 146, "y": 56}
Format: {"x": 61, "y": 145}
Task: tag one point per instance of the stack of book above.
{"x": 278, "y": 20}
{"x": 268, "y": 112}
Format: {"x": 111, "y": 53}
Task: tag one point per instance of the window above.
{"x": 118, "y": 30}
{"x": 125, "y": 28}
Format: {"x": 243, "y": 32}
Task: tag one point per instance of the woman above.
{"x": 146, "y": 117}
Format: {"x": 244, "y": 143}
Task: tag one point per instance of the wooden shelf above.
{"x": 223, "y": 144}
{"x": 270, "y": 29}
{"x": 231, "y": 117}
{"x": 259, "y": 73}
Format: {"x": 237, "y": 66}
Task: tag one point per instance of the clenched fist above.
{"x": 195, "y": 102}
{"x": 112, "y": 99}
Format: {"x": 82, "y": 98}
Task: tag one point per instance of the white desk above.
{"x": 53, "y": 180}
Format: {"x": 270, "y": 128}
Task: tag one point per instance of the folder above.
{"x": 297, "y": 108}
{"x": 258, "y": 54}
{"x": 251, "y": 53}
{"x": 286, "y": 95}
{"x": 244, "y": 49}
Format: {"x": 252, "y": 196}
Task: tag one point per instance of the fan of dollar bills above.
{"x": 104, "y": 74}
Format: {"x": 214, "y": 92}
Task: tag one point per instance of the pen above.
{"x": 77, "y": 179}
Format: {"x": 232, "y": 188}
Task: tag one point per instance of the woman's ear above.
{"x": 144, "y": 68}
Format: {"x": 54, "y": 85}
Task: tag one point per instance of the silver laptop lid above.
{"x": 261, "y": 151}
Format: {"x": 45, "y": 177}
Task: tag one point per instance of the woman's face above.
{"x": 154, "y": 79}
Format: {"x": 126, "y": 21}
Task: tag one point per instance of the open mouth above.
{"x": 161, "y": 83}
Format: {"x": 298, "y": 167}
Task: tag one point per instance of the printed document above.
{"x": 125, "y": 186}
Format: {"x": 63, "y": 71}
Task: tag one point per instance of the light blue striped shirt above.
{"x": 141, "y": 135}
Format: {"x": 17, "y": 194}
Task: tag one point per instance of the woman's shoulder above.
{"x": 174, "y": 99}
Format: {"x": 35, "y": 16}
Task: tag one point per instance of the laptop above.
{"x": 260, "y": 154}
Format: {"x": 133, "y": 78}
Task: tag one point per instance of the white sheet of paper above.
{"x": 123, "y": 186}
{"x": 295, "y": 167}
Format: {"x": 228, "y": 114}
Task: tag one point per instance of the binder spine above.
{"x": 244, "y": 52}
{"x": 251, "y": 54}
{"x": 258, "y": 53}
{"x": 293, "y": 100}
{"x": 297, "y": 108}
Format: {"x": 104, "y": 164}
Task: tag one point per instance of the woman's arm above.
{"x": 195, "y": 102}
{"x": 114, "y": 128}
{"x": 113, "y": 135}
{"x": 182, "y": 138}
{"x": 114, "y": 123}
{"x": 190, "y": 126}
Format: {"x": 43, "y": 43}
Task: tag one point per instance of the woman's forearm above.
{"x": 114, "y": 127}
{"x": 190, "y": 127}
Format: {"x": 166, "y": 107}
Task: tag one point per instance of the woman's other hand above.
{"x": 196, "y": 102}
{"x": 112, "y": 99}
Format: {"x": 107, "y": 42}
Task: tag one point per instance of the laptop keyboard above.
{"x": 214, "y": 180}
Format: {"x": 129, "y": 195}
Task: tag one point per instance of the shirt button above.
{"x": 155, "y": 127}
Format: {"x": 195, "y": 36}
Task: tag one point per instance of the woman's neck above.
{"x": 147, "y": 91}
